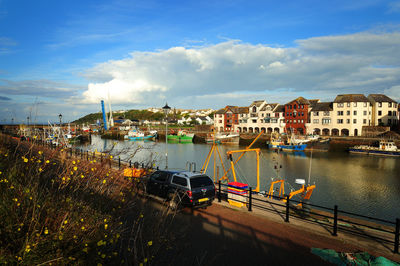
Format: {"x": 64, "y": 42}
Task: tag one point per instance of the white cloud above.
{"x": 355, "y": 63}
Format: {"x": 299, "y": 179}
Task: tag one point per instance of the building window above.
{"x": 379, "y": 112}
{"x": 326, "y": 113}
{"x": 340, "y": 105}
{"x": 340, "y": 121}
{"x": 354, "y": 112}
{"x": 365, "y": 112}
{"x": 347, "y": 121}
{"x": 326, "y": 121}
{"x": 220, "y": 121}
{"x": 394, "y": 113}
{"x": 379, "y": 122}
{"x": 390, "y": 113}
{"x": 390, "y": 104}
{"x": 355, "y": 104}
{"x": 316, "y": 113}
{"x": 254, "y": 109}
{"x": 348, "y": 113}
{"x": 365, "y": 104}
{"x": 348, "y": 104}
{"x": 364, "y": 121}
{"x": 316, "y": 121}
{"x": 354, "y": 121}
{"x": 295, "y": 107}
{"x": 340, "y": 113}
{"x": 379, "y": 104}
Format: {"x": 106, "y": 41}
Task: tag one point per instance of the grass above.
{"x": 59, "y": 210}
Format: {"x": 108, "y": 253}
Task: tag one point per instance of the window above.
{"x": 326, "y": 121}
{"x": 340, "y": 121}
{"x": 220, "y": 121}
{"x": 364, "y": 121}
{"x": 316, "y": 113}
{"x": 390, "y": 113}
{"x": 390, "y": 104}
{"x": 348, "y": 104}
{"x": 347, "y": 121}
{"x": 340, "y": 105}
{"x": 326, "y": 113}
{"x": 379, "y": 104}
{"x": 316, "y": 121}
{"x": 159, "y": 176}
{"x": 365, "y": 112}
{"x": 394, "y": 113}
{"x": 354, "y": 121}
{"x": 354, "y": 112}
{"x": 340, "y": 113}
{"x": 355, "y": 104}
{"x": 379, "y": 112}
{"x": 295, "y": 106}
{"x": 179, "y": 181}
{"x": 348, "y": 112}
{"x": 365, "y": 104}
{"x": 200, "y": 181}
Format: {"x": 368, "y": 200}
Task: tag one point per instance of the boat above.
{"x": 182, "y": 136}
{"x": 386, "y": 148}
{"x": 136, "y": 135}
{"x": 228, "y": 138}
{"x": 293, "y": 144}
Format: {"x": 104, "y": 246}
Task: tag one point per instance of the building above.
{"x": 225, "y": 119}
{"x": 320, "y": 119}
{"x": 384, "y": 111}
{"x": 296, "y": 115}
{"x": 350, "y": 113}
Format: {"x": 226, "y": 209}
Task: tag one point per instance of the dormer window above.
{"x": 254, "y": 109}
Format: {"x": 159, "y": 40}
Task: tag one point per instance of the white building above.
{"x": 384, "y": 110}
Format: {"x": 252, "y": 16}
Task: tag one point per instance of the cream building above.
{"x": 384, "y": 110}
{"x": 321, "y": 119}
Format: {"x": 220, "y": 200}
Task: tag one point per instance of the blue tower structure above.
{"x": 104, "y": 115}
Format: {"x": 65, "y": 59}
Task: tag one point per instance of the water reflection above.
{"x": 358, "y": 183}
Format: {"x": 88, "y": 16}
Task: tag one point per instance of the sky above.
{"x": 64, "y": 57}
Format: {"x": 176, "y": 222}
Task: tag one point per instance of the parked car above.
{"x": 181, "y": 188}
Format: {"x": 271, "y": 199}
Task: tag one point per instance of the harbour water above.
{"x": 367, "y": 185}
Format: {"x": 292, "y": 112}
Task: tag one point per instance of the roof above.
{"x": 273, "y": 105}
{"x": 257, "y": 103}
{"x": 279, "y": 109}
{"x": 202, "y": 118}
{"x": 300, "y": 100}
{"x": 344, "y": 98}
{"x": 221, "y": 111}
{"x": 243, "y": 110}
{"x": 380, "y": 98}
{"x": 323, "y": 106}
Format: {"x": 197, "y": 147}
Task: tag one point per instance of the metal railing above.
{"x": 337, "y": 220}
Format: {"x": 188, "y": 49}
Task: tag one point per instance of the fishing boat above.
{"x": 182, "y": 136}
{"x": 386, "y": 148}
{"x": 136, "y": 135}
{"x": 228, "y": 138}
{"x": 292, "y": 144}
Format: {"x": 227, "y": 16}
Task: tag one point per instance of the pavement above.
{"x": 226, "y": 235}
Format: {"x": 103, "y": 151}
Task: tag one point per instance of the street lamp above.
{"x": 60, "y": 116}
{"x": 166, "y": 110}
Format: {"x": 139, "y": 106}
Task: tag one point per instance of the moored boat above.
{"x": 386, "y": 148}
{"x": 135, "y": 135}
{"x": 182, "y": 136}
{"x": 292, "y": 145}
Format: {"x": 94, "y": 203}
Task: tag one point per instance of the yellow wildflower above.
{"x": 27, "y": 248}
{"x": 46, "y": 231}
{"x": 15, "y": 199}
{"x": 103, "y": 256}
{"x": 104, "y": 181}
{"x": 47, "y": 161}
{"x": 73, "y": 162}
{"x": 82, "y": 176}
{"x": 83, "y": 228}
{"x": 25, "y": 160}
{"x": 66, "y": 221}
{"x": 85, "y": 250}
{"x": 75, "y": 168}
{"x": 40, "y": 169}
{"x": 106, "y": 226}
{"x": 150, "y": 243}
{"x": 60, "y": 237}
{"x": 40, "y": 152}
{"x": 81, "y": 219}
{"x": 105, "y": 220}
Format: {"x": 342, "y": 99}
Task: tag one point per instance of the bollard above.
{"x": 397, "y": 236}
{"x": 287, "y": 209}
{"x": 119, "y": 163}
{"x": 250, "y": 199}
{"x": 130, "y": 164}
{"x": 87, "y": 155}
{"x": 219, "y": 191}
{"x": 81, "y": 154}
{"x": 335, "y": 214}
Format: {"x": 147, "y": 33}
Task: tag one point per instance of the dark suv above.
{"x": 181, "y": 188}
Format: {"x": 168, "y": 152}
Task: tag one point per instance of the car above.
{"x": 181, "y": 188}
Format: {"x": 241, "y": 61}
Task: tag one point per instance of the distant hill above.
{"x": 131, "y": 114}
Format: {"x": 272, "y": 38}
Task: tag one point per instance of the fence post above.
{"x": 81, "y": 154}
{"x": 119, "y": 163}
{"x": 335, "y": 214}
{"x": 250, "y": 199}
{"x": 397, "y": 236}
{"x": 219, "y": 191}
{"x": 87, "y": 155}
{"x": 287, "y": 209}
{"x": 130, "y": 164}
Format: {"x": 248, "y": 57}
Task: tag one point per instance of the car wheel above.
{"x": 174, "y": 201}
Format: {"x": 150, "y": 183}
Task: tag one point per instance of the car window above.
{"x": 179, "y": 181}
{"x": 200, "y": 181}
{"x": 162, "y": 177}
{"x": 155, "y": 175}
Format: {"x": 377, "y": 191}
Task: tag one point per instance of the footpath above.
{"x": 226, "y": 235}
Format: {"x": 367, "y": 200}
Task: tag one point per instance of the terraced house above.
{"x": 226, "y": 118}
{"x": 347, "y": 115}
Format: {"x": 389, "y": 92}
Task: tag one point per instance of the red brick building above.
{"x": 226, "y": 118}
{"x": 296, "y": 115}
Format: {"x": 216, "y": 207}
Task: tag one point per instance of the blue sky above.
{"x": 64, "y": 56}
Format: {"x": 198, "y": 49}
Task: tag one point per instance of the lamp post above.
{"x": 166, "y": 110}
{"x": 60, "y": 116}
